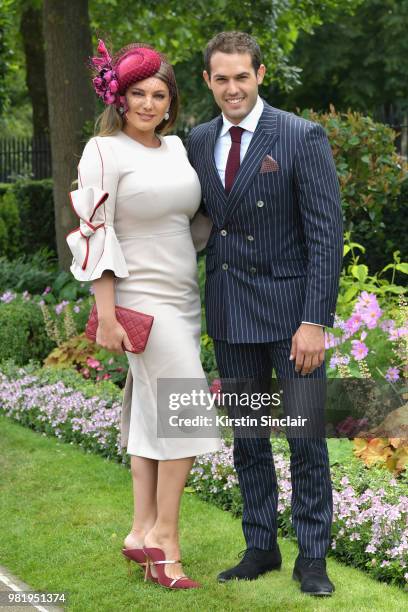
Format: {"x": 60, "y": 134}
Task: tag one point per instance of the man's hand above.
{"x": 307, "y": 348}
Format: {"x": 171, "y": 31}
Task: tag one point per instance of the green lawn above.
{"x": 64, "y": 514}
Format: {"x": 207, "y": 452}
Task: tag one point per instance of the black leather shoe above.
{"x": 254, "y": 563}
{"x": 312, "y": 575}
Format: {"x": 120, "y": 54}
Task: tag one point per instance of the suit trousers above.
{"x": 312, "y": 502}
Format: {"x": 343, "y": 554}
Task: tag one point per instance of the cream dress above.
{"x": 153, "y": 195}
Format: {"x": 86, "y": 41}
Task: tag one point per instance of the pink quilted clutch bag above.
{"x": 136, "y": 324}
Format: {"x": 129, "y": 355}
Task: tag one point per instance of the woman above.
{"x": 142, "y": 257}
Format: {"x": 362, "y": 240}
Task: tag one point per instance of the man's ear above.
{"x": 206, "y": 78}
{"x": 260, "y": 74}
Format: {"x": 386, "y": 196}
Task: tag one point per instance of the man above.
{"x": 273, "y": 263}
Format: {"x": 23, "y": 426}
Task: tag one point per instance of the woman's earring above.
{"x": 166, "y": 116}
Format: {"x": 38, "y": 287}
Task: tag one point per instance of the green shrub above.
{"x": 9, "y": 225}
{"x": 373, "y": 180}
{"x": 22, "y": 332}
{"x": 35, "y": 225}
{"x": 24, "y": 273}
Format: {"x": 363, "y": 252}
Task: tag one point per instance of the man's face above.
{"x": 234, "y": 83}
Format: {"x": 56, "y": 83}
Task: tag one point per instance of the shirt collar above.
{"x": 249, "y": 122}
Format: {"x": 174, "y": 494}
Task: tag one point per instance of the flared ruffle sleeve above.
{"x": 94, "y": 245}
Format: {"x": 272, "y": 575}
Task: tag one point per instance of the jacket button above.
{"x": 252, "y": 270}
{"x": 223, "y": 232}
{"x": 224, "y": 266}
{"x": 260, "y": 204}
{"x": 250, "y": 238}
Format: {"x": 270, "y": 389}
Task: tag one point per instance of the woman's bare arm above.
{"x": 110, "y": 333}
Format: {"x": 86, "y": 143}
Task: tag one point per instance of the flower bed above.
{"x": 370, "y": 526}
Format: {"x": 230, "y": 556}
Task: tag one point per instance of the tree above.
{"x": 181, "y": 29}
{"x": 357, "y": 62}
{"x": 33, "y": 44}
{"x": 67, "y": 39}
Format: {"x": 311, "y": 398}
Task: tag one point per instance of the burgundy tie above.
{"x": 233, "y": 160}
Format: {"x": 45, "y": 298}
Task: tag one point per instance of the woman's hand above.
{"x": 110, "y": 335}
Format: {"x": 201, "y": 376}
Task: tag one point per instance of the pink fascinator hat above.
{"x": 132, "y": 63}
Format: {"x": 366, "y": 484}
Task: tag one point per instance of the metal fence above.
{"x": 24, "y": 157}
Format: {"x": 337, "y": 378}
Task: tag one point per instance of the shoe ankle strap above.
{"x": 173, "y": 582}
{"x": 166, "y": 561}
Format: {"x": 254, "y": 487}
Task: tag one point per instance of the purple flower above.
{"x": 399, "y": 332}
{"x": 365, "y": 300}
{"x": 46, "y": 290}
{"x": 60, "y": 307}
{"x": 359, "y": 350}
{"x": 353, "y": 324}
{"x": 337, "y": 360}
{"x": 392, "y": 374}
{"x": 387, "y": 325}
{"x": 7, "y": 297}
{"x": 77, "y": 309}
{"x": 371, "y": 315}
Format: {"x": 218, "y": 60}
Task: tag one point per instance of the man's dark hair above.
{"x": 233, "y": 42}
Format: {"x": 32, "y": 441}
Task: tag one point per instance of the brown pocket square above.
{"x": 269, "y": 165}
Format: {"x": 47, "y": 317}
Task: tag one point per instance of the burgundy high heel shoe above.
{"x": 156, "y": 557}
{"x": 138, "y": 556}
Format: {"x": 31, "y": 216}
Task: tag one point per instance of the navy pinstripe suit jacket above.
{"x": 275, "y": 251}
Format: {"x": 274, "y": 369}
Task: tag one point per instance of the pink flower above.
{"x": 366, "y": 299}
{"x": 106, "y": 376}
{"x": 371, "y": 315}
{"x": 93, "y": 363}
{"x": 113, "y": 86}
{"x": 215, "y": 388}
{"x": 353, "y": 323}
{"x": 359, "y": 350}
{"x": 46, "y": 290}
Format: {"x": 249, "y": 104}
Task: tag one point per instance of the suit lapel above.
{"x": 265, "y": 135}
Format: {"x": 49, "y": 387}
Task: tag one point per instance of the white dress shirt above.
{"x": 223, "y": 143}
